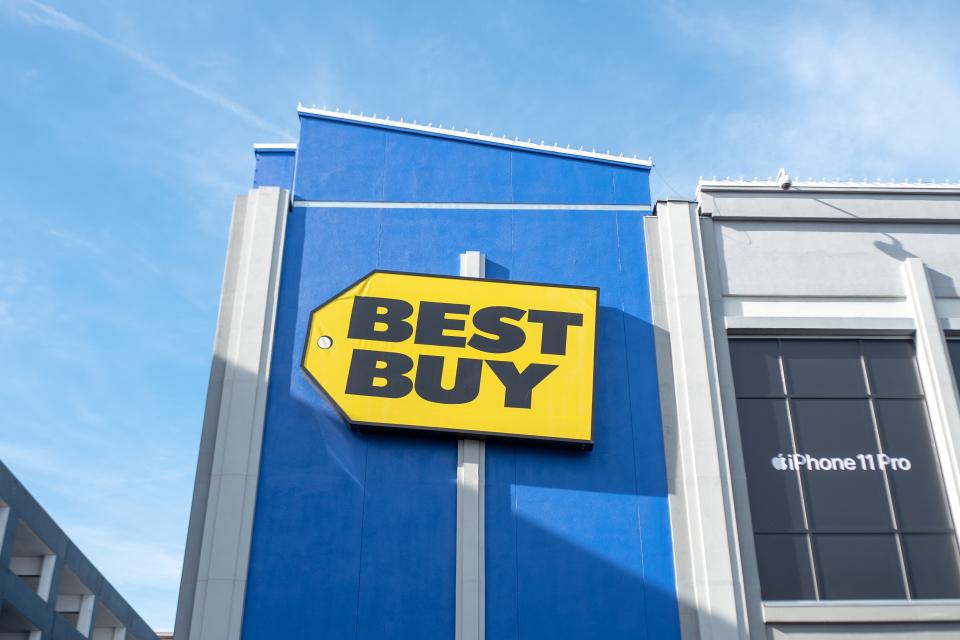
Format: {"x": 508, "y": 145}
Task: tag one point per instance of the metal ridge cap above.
{"x": 474, "y": 137}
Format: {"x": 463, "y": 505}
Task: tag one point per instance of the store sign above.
{"x": 477, "y": 357}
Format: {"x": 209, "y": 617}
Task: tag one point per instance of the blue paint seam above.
{"x": 363, "y": 509}
{"x": 626, "y": 356}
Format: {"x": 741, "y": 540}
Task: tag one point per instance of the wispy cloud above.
{"x": 834, "y": 96}
{"x": 57, "y": 473}
{"x": 128, "y": 562}
{"x": 40, "y": 14}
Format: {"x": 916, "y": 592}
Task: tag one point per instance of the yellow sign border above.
{"x": 357, "y": 425}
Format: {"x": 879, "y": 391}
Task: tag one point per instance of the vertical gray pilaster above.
{"x": 470, "y": 508}
{"x": 221, "y": 520}
{"x": 702, "y": 509}
{"x": 936, "y": 374}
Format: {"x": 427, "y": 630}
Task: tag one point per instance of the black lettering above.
{"x": 519, "y": 386}
{"x": 432, "y": 321}
{"x": 555, "y": 323}
{"x": 367, "y": 313}
{"x": 510, "y": 337}
{"x": 365, "y": 368}
{"x": 465, "y": 387}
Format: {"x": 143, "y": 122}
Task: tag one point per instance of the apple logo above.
{"x": 779, "y": 462}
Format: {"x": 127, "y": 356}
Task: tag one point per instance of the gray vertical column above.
{"x": 936, "y": 374}
{"x": 708, "y": 578}
{"x": 470, "y": 524}
{"x": 213, "y": 583}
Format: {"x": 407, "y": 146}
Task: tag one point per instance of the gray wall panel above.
{"x": 767, "y": 258}
{"x": 806, "y": 205}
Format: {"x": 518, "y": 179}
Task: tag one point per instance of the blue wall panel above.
{"x": 424, "y": 169}
{"x": 339, "y": 161}
{"x": 342, "y": 161}
{"x": 589, "y": 549}
{"x": 274, "y": 168}
{"x": 355, "y": 533}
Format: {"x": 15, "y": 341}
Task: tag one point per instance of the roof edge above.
{"x": 827, "y": 186}
{"x": 275, "y": 146}
{"x": 516, "y": 143}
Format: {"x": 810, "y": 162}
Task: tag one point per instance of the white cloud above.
{"x": 38, "y": 13}
{"x": 852, "y": 94}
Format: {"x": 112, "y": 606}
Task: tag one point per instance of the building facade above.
{"x": 807, "y": 366}
{"x": 48, "y": 588}
{"x": 775, "y": 419}
{"x": 304, "y": 527}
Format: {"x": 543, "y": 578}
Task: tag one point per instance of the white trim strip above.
{"x": 476, "y": 137}
{"x": 275, "y": 146}
{"x": 852, "y": 611}
{"x": 504, "y": 206}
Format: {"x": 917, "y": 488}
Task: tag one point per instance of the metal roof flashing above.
{"x": 275, "y": 147}
{"x": 827, "y": 186}
{"x": 476, "y": 137}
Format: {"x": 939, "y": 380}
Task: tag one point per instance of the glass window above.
{"x": 855, "y": 567}
{"x": 830, "y": 431}
{"x": 774, "y": 495}
{"x": 846, "y": 495}
{"x": 823, "y": 368}
{"x": 954, "y": 345}
{"x": 785, "y": 571}
{"x": 932, "y": 562}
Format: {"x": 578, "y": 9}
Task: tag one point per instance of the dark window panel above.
{"x": 858, "y": 567}
{"x": 784, "y": 562}
{"x": 823, "y": 368}
{"x": 775, "y": 502}
{"x": 932, "y": 565}
{"x": 919, "y": 497}
{"x": 839, "y": 499}
{"x": 892, "y": 368}
{"x": 756, "y": 368}
{"x": 954, "y": 346}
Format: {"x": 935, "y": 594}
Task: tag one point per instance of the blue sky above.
{"x": 128, "y": 128}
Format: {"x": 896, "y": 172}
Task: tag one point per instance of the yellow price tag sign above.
{"x": 462, "y": 355}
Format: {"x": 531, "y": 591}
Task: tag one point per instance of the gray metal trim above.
{"x": 471, "y": 457}
{"x": 213, "y": 590}
{"x": 849, "y": 611}
{"x": 814, "y": 326}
